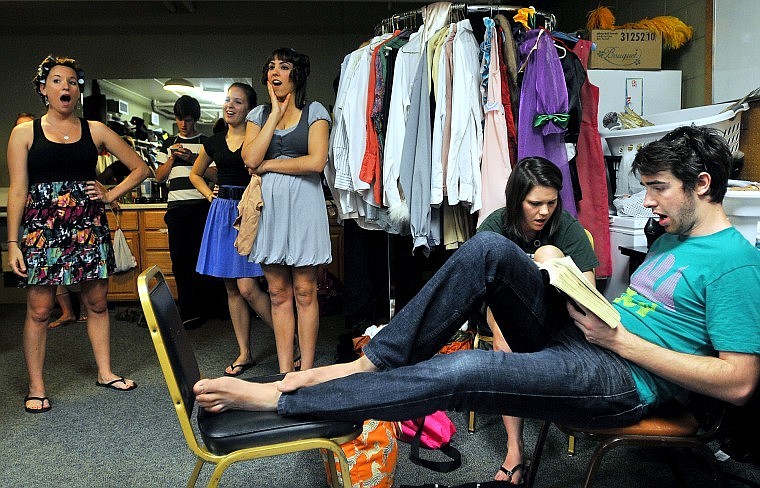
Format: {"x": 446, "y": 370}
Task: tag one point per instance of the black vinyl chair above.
{"x": 674, "y": 426}
{"x": 234, "y": 435}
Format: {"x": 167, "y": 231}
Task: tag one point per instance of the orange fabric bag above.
{"x": 372, "y": 455}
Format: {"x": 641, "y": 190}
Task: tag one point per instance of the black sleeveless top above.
{"x": 231, "y": 170}
{"x": 49, "y": 161}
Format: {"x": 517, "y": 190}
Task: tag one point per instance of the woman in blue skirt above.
{"x": 218, "y": 256}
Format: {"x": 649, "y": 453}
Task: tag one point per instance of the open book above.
{"x": 567, "y": 278}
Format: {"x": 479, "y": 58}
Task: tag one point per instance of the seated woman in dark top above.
{"x": 533, "y": 219}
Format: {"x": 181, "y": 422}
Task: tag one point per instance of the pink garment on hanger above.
{"x": 495, "y": 165}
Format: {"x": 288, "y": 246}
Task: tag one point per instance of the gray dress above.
{"x": 293, "y": 228}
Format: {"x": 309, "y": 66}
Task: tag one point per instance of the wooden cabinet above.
{"x": 155, "y": 245}
{"x": 148, "y": 239}
{"x": 123, "y": 286}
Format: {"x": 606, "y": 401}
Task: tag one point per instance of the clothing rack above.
{"x": 412, "y": 19}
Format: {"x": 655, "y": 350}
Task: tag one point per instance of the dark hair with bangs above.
{"x": 43, "y": 70}
{"x": 686, "y": 152}
{"x": 527, "y": 174}
{"x": 298, "y": 75}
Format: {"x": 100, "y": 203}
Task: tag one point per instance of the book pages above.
{"x": 568, "y": 278}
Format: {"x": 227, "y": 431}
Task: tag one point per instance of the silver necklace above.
{"x": 64, "y": 134}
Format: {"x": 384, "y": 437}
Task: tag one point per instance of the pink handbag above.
{"x": 436, "y": 431}
{"x": 433, "y": 432}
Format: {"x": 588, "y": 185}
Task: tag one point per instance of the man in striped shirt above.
{"x": 186, "y": 210}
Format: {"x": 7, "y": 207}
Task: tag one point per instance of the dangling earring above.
{"x": 46, "y": 101}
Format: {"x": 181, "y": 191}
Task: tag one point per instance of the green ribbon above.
{"x": 559, "y": 119}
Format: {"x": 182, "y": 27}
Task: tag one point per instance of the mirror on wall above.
{"x": 146, "y": 98}
{"x": 120, "y": 102}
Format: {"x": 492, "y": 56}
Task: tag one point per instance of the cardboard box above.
{"x": 626, "y": 49}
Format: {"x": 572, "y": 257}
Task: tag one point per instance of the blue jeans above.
{"x": 553, "y": 374}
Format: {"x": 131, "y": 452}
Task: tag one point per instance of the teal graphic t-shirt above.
{"x": 697, "y": 295}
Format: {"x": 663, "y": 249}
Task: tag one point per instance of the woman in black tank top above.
{"x": 57, "y": 228}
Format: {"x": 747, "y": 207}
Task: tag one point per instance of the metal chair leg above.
{"x": 530, "y": 478}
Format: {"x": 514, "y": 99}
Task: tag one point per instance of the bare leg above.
{"x": 283, "y": 315}
{"x": 514, "y": 457}
{"x": 544, "y": 253}
{"x": 63, "y": 298}
{"x": 241, "y": 324}
{"x": 82, "y": 309}
{"x": 305, "y": 289}
{"x": 513, "y": 425}
{"x": 259, "y": 301}
{"x": 218, "y": 394}
{"x": 257, "y": 298}
{"x": 315, "y": 376}
{"x": 99, "y": 329}
{"x": 39, "y": 305}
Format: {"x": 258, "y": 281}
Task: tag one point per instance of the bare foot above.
{"x": 315, "y": 376}
{"x": 225, "y": 393}
{"x": 36, "y": 404}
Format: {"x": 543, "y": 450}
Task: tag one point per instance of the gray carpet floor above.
{"x": 95, "y": 437}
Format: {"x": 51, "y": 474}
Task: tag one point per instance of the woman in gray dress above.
{"x": 286, "y": 143}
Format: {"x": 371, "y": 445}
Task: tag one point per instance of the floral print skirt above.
{"x": 65, "y": 237}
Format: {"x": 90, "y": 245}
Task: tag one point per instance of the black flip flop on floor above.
{"x": 243, "y": 368}
{"x": 111, "y": 384}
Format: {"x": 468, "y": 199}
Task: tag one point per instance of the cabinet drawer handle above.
{"x": 163, "y": 231}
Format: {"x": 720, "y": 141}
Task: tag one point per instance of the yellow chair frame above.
{"x": 183, "y": 400}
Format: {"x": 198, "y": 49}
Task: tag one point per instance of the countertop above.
{"x": 142, "y": 206}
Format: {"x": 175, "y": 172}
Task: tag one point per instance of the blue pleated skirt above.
{"x": 218, "y": 256}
